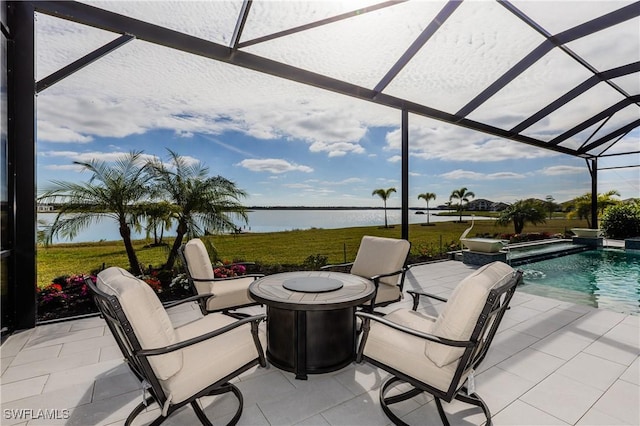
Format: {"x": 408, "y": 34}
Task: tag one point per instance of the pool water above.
{"x": 536, "y": 252}
{"x": 604, "y": 278}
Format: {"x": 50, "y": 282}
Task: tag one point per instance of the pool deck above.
{"x": 552, "y": 363}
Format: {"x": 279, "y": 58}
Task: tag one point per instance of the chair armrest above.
{"x": 256, "y": 319}
{"x": 376, "y": 278}
{"x": 433, "y": 338}
{"x": 255, "y": 276}
{"x": 336, "y": 265}
{"x": 416, "y": 297}
{"x": 188, "y": 299}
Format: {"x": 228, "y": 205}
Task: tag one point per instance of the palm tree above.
{"x": 113, "y": 191}
{"x": 581, "y": 206}
{"x": 521, "y": 212}
{"x": 427, "y": 196}
{"x": 203, "y": 203}
{"x": 159, "y": 218}
{"x": 551, "y": 206}
{"x": 384, "y": 194}
{"x": 462, "y": 195}
{"x": 605, "y": 200}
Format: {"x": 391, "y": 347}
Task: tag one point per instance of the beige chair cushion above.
{"x": 207, "y": 362}
{"x": 198, "y": 260}
{"x": 147, "y": 316}
{"x": 461, "y": 312}
{"x": 378, "y": 255}
{"x": 405, "y": 352}
{"x": 228, "y": 293}
{"x": 387, "y": 293}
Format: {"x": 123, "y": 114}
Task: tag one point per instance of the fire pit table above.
{"x": 311, "y": 324}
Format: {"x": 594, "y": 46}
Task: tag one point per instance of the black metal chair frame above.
{"x": 474, "y": 353}
{"x": 137, "y": 358}
{"x": 202, "y": 302}
{"x": 376, "y": 281}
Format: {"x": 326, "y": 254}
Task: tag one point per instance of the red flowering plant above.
{"x": 152, "y": 278}
{"x": 51, "y": 295}
{"x": 228, "y": 270}
{"x": 68, "y": 292}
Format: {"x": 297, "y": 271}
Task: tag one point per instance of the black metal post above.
{"x": 593, "y": 170}
{"x": 22, "y": 152}
{"x": 405, "y": 174}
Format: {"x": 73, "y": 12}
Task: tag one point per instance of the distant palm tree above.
{"x": 581, "y": 206}
{"x": 113, "y": 191}
{"x": 521, "y": 212}
{"x": 462, "y": 195}
{"x": 159, "y": 218}
{"x": 384, "y": 194}
{"x": 427, "y": 196}
{"x": 203, "y": 203}
{"x": 551, "y": 206}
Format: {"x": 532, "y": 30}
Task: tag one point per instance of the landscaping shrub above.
{"x": 621, "y": 221}
{"x": 67, "y": 295}
{"x": 315, "y": 262}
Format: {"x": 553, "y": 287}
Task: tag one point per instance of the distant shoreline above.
{"x": 331, "y": 208}
{"x": 317, "y": 208}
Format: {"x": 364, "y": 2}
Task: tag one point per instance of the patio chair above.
{"x": 226, "y": 294}
{"x": 439, "y": 355}
{"x": 175, "y": 366}
{"x": 382, "y": 260}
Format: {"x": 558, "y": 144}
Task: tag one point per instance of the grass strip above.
{"x": 284, "y": 248}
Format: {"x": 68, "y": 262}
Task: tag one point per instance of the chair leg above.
{"x": 386, "y": 401}
{"x": 238, "y": 395}
{"x": 474, "y": 399}
{"x": 227, "y": 387}
{"x": 441, "y": 412}
{"x": 139, "y": 409}
{"x": 200, "y": 414}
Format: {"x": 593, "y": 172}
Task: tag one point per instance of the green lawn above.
{"x": 290, "y": 247}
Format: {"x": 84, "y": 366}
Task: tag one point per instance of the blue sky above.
{"x": 288, "y": 144}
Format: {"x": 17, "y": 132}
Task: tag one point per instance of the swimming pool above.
{"x": 603, "y": 278}
{"x": 540, "y": 250}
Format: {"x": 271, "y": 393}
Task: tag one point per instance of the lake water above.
{"x": 273, "y": 221}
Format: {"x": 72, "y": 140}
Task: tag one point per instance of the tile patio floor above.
{"x": 552, "y": 363}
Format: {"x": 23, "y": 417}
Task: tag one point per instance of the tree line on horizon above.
{"x": 535, "y": 211}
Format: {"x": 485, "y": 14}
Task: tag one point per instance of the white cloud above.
{"x": 350, "y": 181}
{"x": 430, "y": 140}
{"x": 297, "y": 186}
{"x": 273, "y": 165}
{"x": 141, "y": 87}
{"x": 467, "y": 174}
{"x": 336, "y": 149}
{"x": 86, "y": 157}
{"x": 54, "y": 132}
{"x": 319, "y": 191}
{"x": 65, "y": 167}
{"x": 563, "y": 170}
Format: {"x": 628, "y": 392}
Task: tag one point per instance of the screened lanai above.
{"x": 560, "y": 76}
